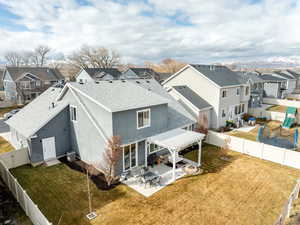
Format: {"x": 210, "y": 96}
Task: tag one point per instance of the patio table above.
{"x": 149, "y": 176}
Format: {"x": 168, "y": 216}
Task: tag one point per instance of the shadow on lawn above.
{"x": 97, "y": 177}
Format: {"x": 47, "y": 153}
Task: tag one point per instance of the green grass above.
{"x": 244, "y": 190}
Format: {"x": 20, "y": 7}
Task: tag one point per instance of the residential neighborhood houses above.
{"x": 161, "y": 131}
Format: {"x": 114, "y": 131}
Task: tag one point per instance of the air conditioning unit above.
{"x": 71, "y": 156}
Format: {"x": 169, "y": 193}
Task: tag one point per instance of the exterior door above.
{"x": 49, "y": 150}
{"x": 129, "y": 156}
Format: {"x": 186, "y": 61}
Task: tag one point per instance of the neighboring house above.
{"x": 274, "y": 86}
{"x": 192, "y": 102}
{"x": 223, "y": 89}
{"x": 256, "y": 88}
{"x": 294, "y": 74}
{"x": 291, "y": 81}
{"x": 97, "y": 74}
{"x": 142, "y": 73}
{"x": 1, "y": 79}
{"x": 82, "y": 117}
{"x": 23, "y": 84}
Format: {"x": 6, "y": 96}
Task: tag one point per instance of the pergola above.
{"x": 175, "y": 141}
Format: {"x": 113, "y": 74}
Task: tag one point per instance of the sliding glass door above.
{"x": 129, "y": 156}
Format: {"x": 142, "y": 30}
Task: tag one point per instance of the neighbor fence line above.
{"x": 260, "y": 150}
{"x": 285, "y": 213}
{"x": 14, "y": 159}
{"x": 283, "y": 102}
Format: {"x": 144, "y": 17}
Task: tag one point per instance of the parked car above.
{"x": 10, "y": 114}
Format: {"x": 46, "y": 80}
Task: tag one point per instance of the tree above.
{"x": 166, "y": 66}
{"x": 95, "y": 57}
{"x": 225, "y": 149}
{"x": 13, "y": 58}
{"x": 40, "y": 55}
{"x": 111, "y": 156}
{"x": 202, "y": 123}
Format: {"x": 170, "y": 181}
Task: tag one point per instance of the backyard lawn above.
{"x": 5, "y": 146}
{"x": 242, "y": 191}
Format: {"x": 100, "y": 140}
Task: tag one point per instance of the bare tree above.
{"x": 111, "y": 157}
{"x": 95, "y": 57}
{"x": 40, "y": 54}
{"x": 225, "y": 149}
{"x": 166, "y": 66}
{"x": 202, "y": 124}
{"x": 13, "y": 58}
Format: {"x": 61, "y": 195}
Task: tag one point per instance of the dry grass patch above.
{"x": 8, "y": 109}
{"x": 244, "y": 191}
{"x": 277, "y": 108}
{"x": 5, "y": 146}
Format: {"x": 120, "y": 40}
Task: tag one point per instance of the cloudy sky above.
{"x": 198, "y": 31}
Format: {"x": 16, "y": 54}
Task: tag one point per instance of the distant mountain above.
{"x": 269, "y": 63}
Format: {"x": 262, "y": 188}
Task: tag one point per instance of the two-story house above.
{"x": 82, "y": 117}
{"x": 23, "y": 84}
{"x": 97, "y": 74}
{"x": 256, "y": 88}
{"x": 224, "y": 90}
{"x": 291, "y": 81}
{"x": 274, "y": 86}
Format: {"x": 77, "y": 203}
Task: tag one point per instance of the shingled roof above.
{"x": 43, "y": 73}
{"x": 220, "y": 75}
{"x": 101, "y": 72}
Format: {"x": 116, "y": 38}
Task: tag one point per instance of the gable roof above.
{"x": 220, "y": 75}
{"x": 119, "y": 95}
{"x": 36, "y": 114}
{"x": 101, "y": 72}
{"x": 270, "y": 77}
{"x": 284, "y": 75}
{"x": 43, "y": 73}
{"x": 192, "y": 97}
{"x": 144, "y": 72}
{"x": 294, "y": 73}
{"x": 252, "y": 76}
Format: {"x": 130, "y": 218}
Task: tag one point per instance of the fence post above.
{"x": 243, "y": 148}
{"x": 25, "y": 201}
{"x": 262, "y": 151}
{"x": 16, "y": 188}
{"x": 284, "y": 155}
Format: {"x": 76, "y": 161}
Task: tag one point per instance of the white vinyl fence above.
{"x": 284, "y": 102}
{"x": 260, "y": 150}
{"x": 288, "y": 205}
{"x": 15, "y": 159}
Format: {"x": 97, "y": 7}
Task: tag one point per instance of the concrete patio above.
{"x": 166, "y": 174}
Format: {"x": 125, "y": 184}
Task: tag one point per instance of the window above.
{"x": 243, "y": 108}
{"x": 224, "y": 94}
{"x": 153, "y": 148}
{"x": 223, "y": 113}
{"x": 247, "y": 91}
{"x": 255, "y": 86}
{"x": 143, "y": 118}
{"x": 237, "y": 91}
{"x": 38, "y": 83}
{"x": 25, "y": 84}
{"x": 129, "y": 156}
{"x": 73, "y": 113}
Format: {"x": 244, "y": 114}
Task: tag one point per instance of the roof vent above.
{"x": 148, "y": 81}
{"x": 123, "y": 81}
{"x": 97, "y": 82}
{"x": 110, "y": 81}
{"x": 137, "y": 82}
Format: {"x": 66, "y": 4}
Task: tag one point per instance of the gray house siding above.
{"x": 125, "y": 123}
{"x": 59, "y": 128}
{"x": 9, "y": 87}
{"x": 85, "y": 139}
{"x": 272, "y": 90}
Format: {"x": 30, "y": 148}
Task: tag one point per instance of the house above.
{"x": 295, "y": 74}
{"x": 291, "y": 81}
{"x": 23, "y": 84}
{"x": 141, "y": 72}
{"x": 1, "y": 79}
{"x": 274, "y": 86}
{"x": 97, "y": 74}
{"x": 192, "y": 102}
{"x": 256, "y": 88}
{"x": 221, "y": 88}
{"x": 82, "y": 117}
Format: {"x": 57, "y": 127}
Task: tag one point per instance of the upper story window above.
{"x": 223, "y": 113}
{"x": 224, "y": 94}
{"x": 73, "y": 113}
{"x": 255, "y": 86}
{"x": 237, "y": 91}
{"x": 143, "y": 118}
{"x": 247, "y": 91}
{"x": 25, "y": 84}
{"x": 38, "y": 83}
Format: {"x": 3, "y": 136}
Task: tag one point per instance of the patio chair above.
{"x": 124, "y": 176}
{"x": 155, "y": 181}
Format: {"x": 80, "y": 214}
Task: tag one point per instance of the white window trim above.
{"x": 226, "y": 95}
{"x": 159, "y": 148}
{"x": 136, "y": 156}
{"x": 223, "y": 109}
{"x": 75, "y": 107}
{"x": 137, "y": 118}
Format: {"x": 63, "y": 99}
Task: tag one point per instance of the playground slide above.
{"x": 288, "y": 122}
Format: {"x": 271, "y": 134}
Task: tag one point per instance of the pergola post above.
{"x": 199, "y": 152}
{"x": 174, "y": 164}
{"x": 146, "y": 153}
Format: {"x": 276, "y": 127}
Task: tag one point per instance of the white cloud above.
{"x": 214, "y": 31}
